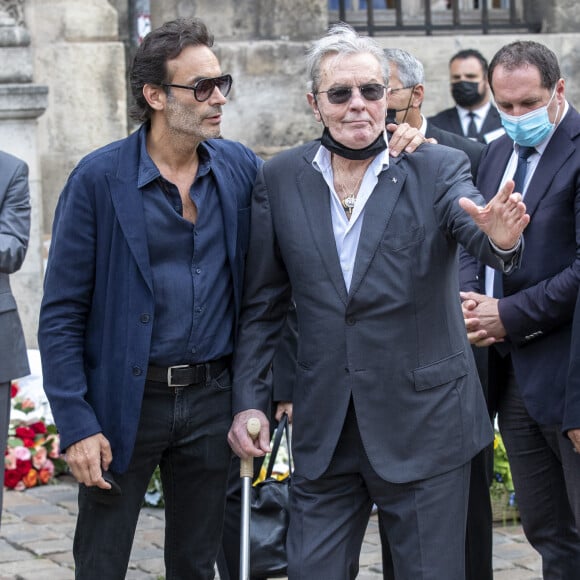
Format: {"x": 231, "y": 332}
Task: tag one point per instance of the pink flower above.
{"x": 39, "y": 458}
{"x": 22, "y": 453}
{"x": 54, "y": 441}
{"x": 10, "y": 459}
{"x": 48, "y": 466}
{"x": 27, "y": 405}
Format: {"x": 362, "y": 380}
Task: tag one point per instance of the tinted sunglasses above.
{"x": 203, "y": 88}
{"x": 340, "y": 95}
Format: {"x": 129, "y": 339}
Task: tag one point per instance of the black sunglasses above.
{"x": 203, "y": 88}
{"x": 340, "y": 95}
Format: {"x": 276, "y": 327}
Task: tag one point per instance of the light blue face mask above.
{"x": 530, "y": 129}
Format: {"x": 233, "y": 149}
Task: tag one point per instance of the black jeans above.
{"x": 546, "y": 475}
{"x": 184, "y": 430}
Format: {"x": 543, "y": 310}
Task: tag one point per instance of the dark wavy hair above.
{"x": 159, "y": 46}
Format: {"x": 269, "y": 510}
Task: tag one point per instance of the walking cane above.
{"x": 247, "y": 475}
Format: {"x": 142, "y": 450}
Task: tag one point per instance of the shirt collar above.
{"x": 149, "y": 172}
{"x": 480, "y": 112}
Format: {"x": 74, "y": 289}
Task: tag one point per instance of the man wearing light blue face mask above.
{"x": 526, "y": 319}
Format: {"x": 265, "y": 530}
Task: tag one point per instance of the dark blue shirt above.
{"x": 194, "y": 305}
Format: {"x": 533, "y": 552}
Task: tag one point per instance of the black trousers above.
{"x": 184, "y": 431}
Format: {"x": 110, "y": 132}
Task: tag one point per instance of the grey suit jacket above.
{"x": 396, "y": 342}
{"x": 14, "y": 232}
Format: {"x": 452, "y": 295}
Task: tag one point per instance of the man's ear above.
{"x": 155, "y": 96}
{"x": 314, "y": 105}
{"x": 418, "y": 95}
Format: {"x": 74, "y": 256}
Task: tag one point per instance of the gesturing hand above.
{"x": 503, "y": 219}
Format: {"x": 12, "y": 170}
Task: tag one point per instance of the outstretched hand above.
{"x": 503, "y": 219}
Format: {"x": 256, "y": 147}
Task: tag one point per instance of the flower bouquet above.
{"x": 503, "y": 497}
{"x": 32, "y": 455}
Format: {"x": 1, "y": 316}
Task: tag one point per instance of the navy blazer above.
{"x": 396, "y": 342}
{"x": 449, "y": 121}
{"x": 540, "y": 297}
{"x": 98, "y": 306}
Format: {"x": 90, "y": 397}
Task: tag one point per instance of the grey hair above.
{"x": 341, "y": 39}
{"x": 411, "y": 71}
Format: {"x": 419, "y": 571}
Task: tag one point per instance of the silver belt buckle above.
{"x": 170, "y": 382}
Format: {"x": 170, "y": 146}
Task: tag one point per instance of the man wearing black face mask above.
{"x": 473, "y": 116}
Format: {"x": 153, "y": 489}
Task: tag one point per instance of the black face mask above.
{"x": 372, "y": 150}
{"x": 392, "y": 113}
{"x": 391, "y": 116}
{"x": 466, "y": 93}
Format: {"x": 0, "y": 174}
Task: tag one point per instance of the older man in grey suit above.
{"x": 14, "y": 231}
{"x": 387, "y": 404}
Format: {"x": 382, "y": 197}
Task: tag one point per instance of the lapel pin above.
{"x": 394, "y": 180}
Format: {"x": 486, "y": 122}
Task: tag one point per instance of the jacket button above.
{"x": 137, "y": 371}
{"x": 145, "y": 318}
{"x": 350, "y": 320}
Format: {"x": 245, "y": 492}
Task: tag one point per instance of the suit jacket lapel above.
{"x": 129, "y": 210}
{"x": 316, "y": 201}
{"x": 128, "y": 203}
{"x": 556, "y": 154}
{"x": 377, "y": 214}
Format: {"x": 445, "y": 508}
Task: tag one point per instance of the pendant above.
{"x": 348, "y": 203}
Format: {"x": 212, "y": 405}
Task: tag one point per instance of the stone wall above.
{"x": 21, "y": 103}
{"x": 79, "y": 50}
{"x": 78, "y": 55}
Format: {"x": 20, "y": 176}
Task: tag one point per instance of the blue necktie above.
{"x": 520, "y": 180}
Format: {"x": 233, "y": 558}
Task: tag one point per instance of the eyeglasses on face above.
{"x": 394, "y": 91}
{"x": 369, "y": 92}
{"x": 203, "y": 88}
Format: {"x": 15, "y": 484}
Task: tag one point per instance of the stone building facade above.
{"x": 64, "y": 63}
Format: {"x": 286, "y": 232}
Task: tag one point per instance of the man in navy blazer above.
{"x": 387, "y": 405}
{"x": 528, "y": 316}
{"x": 473, "y": 106}
{"x": 142, "y": 293}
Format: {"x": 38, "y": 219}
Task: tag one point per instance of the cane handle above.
{"x": 247, "y": 465}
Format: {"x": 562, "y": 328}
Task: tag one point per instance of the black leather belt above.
{"x": 188, "y": 375}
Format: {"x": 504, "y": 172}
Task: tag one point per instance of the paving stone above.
{"x": 45, "y": 547}
{"x": 35, "y": 569}
{"x": 38, "y": 527}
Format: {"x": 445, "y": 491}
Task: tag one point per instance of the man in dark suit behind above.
{"x": 387, "y": 404}
{"x": 474, "y": 116}
{"x": 14, "y": 232}
{"x": 407, "y": 80}
{"x": 528, "y": 317}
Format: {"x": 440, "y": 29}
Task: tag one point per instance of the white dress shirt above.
{"x": 347, "y": 231}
